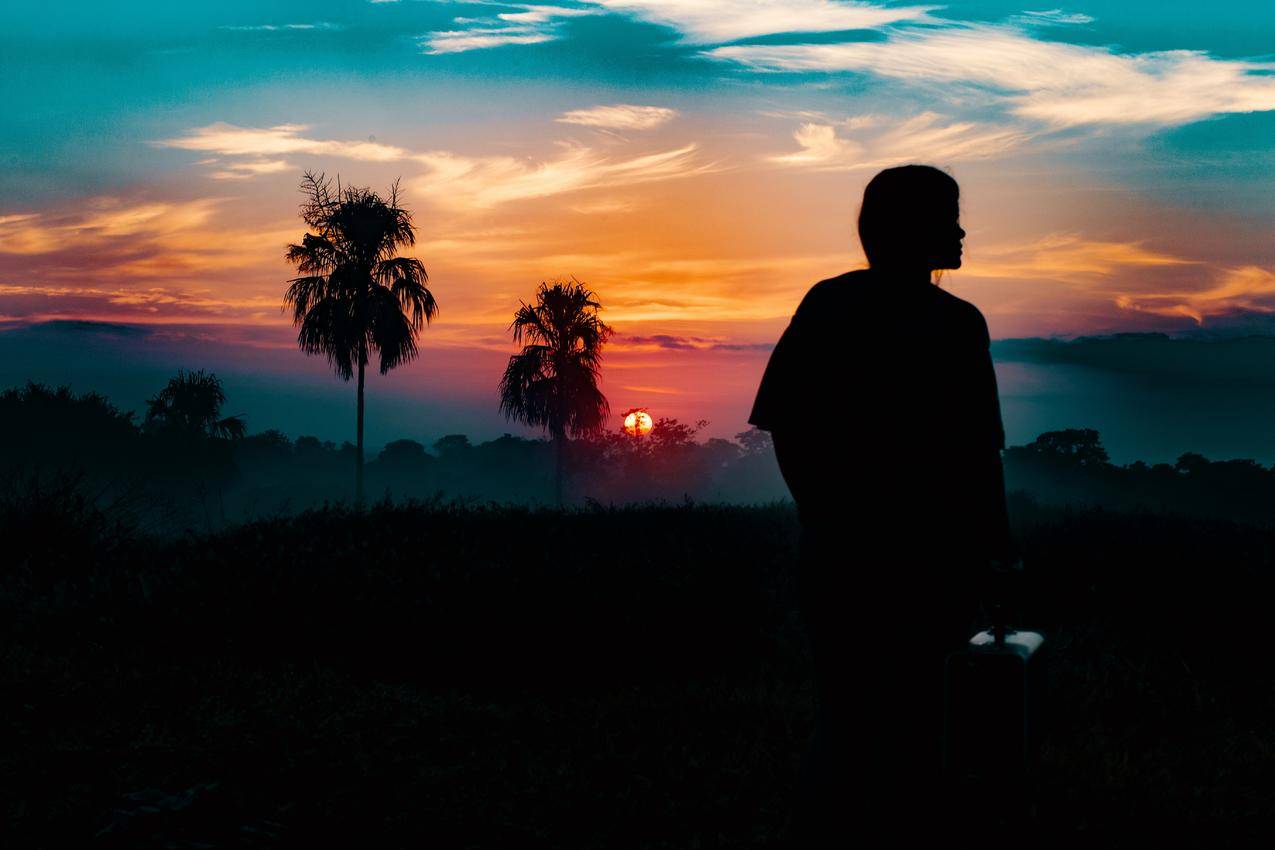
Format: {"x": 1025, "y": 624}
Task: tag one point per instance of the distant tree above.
{"x": 355, "y": 293}
{"x": 310, "y": 447}
{"x": 451, "y": 445}
{"x": 721, "y": 453}
{"x": 55, "y": 428}
{"x": 268, "y": 447}
{"x": 1191, "y": 462}
{"x": 1080, "y": 446}
{"x": 672, "y": 435}
{"x": 191, "y": 404}
{"x": 553, "y": 382}
{"x": 403, "y": 451}
{"x": 755, "y": 441}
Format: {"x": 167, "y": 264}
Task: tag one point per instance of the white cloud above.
{"x": 533, "y": 24}
{"x": 482, "y": 182}
{"x": 699, "y": 21}
{"x": 230, "y": 140}
{"x": 878, "y": 143}
{"x": 320, "y": 25}
{"x": 621, "y": 116}
{"x": 542, "y": 14}
{"x": 459, "y": 41}
{"x": 245, "y": 170}
{"x": 1053, "y": 17}
{"x": 719, "y": 21}
{"x": 452, "y": 179}
{"x": 1059, "y": 84}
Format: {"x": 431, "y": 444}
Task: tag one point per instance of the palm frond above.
{"x": 231, "y": 428}
{"x": 389, "y": 331}
{"x": 329, "y": 329}
{"x": 353, "y": 293}
{"x": 302, "y": 293}
{"x": 552, "y": 382}
{"x": 406, "y": 278}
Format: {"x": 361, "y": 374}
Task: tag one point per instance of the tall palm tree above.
{"x": 191, "y": 404}
{"x": 553, "y": 382}
{"x": 355, "y": 294}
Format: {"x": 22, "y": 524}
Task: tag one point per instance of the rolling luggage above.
{"x": 993, "y": 704}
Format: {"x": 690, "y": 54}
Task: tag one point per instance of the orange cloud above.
{"x": 1247, "y": 288}
{"x": 1065, "y": 257}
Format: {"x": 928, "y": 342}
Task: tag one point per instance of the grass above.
{"x": 504, "y": 677}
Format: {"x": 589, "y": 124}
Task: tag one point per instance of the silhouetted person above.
{"x": 882, "y": 402}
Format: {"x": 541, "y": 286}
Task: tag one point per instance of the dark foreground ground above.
{"x": 428, "y": 676}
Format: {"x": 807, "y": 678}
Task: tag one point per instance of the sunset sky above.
{"x": 697, "y": 162}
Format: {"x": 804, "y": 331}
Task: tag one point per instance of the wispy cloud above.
{"x": 1058, "y": 84}
{"x": 721, "y": 21}
{"x": 1053, "y": 17}
{"x": 671, "y": 342}
{"x": 620, "y": 116}
{"x": 532, "y": 24}
{"x": 698, "y": 21}
{"x": 1066, "y": 257}
{"x": 157, "y": 260}
{"x": 31, "y": 302}
{"x": 459, "y": 41}
{"x": 318, "y": 25}
{"x": 868, "y": 141}
{"x": 245, "y": 170}
{"x": 483, "y": 182}
{"x": 104, "y": 219}
{"x": 452, "y": 179}
{"x": 1247, "y": 289}
{"x": 231, "y": 140}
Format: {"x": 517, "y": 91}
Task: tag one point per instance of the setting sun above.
{"x": 637, "y": 423}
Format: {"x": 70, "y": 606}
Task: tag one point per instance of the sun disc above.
{"x": 638, "y": 423}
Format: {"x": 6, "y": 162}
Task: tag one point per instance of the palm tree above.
{"x": 191, "y": 404}
{"x": 355, "y": 293}
{"x": 553, "y": 382}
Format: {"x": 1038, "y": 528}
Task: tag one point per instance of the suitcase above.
{"x": 993, "y": 702}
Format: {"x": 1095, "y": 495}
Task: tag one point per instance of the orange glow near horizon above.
{"x": 698, "y": 259}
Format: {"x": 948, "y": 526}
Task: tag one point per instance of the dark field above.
{"x": 445, "y": 677}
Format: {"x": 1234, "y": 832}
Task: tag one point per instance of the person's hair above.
{"x": 892, "y": 218}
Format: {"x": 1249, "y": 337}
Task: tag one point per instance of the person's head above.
{"x": 909, "y": 220}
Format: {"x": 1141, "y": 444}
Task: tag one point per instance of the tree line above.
{"x": 199, "y": 468}
{"x": 184, "y": 463}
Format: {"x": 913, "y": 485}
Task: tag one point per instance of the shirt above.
{"x": 886, "y": 390}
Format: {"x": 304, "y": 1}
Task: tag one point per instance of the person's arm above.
{"x": 1003, "y": 547}
{"x": 1000, "y": 539}
{"x": 793, "y": 455}
{"x": 1001, "y": 590}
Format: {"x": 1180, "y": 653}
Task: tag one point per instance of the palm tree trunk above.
{"x": 358, "y": 461}
{"x": 558, "y": 461}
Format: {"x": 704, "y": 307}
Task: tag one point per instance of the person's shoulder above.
{"x": 964, "y": 314}
{"x": 830, "y": 291}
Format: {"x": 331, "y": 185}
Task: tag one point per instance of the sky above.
{"x": 698, "y": 163}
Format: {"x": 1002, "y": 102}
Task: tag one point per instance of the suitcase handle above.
{"x": 1000, "y": 575}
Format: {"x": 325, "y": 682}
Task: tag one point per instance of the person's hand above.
{"x": 1002, "y": 590}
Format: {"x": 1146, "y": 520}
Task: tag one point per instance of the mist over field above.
{"x": 1151, "y": 396}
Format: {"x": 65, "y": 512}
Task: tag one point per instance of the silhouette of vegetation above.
{"x": 427, "y": 674}
{"x": 191, "y": 405}
{"x": 356, "y": 295}
{"x": 553, "y": 382}
{"x": 184, "y": 479}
